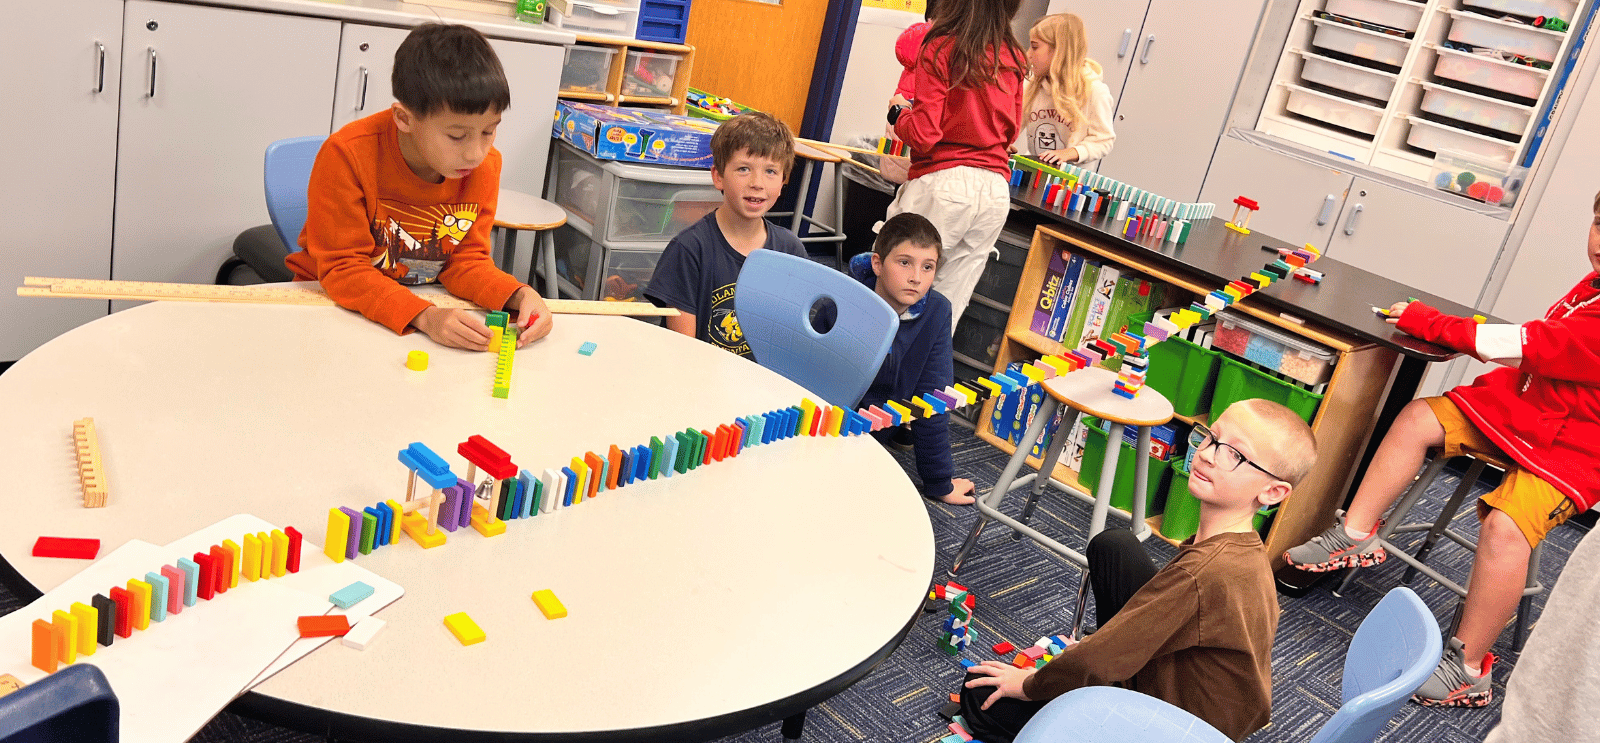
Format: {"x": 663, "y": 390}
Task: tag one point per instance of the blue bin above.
{"x": 664, "y": 20}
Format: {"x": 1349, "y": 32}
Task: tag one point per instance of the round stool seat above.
{"x": 520, "y": 211}
{"x": 1089, "y": 390}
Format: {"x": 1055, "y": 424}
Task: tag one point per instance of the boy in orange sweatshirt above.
{"x": 407, "y": 197}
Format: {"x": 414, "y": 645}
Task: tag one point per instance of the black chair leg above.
{"x": 225, "y": 272}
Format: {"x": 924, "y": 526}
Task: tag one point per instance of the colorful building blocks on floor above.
{"x": 66, "y": 547}
{"x": 91, "y": 473}
{"x": 550, "y": 606}
{"x": 465, "y": 630}
{"x": 323, "y": 625}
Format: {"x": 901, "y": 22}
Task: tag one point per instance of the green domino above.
{"x": 698, "y": 456}
{"x": 536, "y": 496}
{"x": 656, "y": 448}
{"x": 496, "y": 319}
{"x": 679, "y": 462}
{"x": 369, "y": 530}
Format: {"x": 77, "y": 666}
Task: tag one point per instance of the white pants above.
{"x": 969, "y": 207}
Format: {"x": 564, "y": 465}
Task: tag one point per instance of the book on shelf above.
{"x": 1134, "y": 295}
{"x": 1099, "y": 304}
{"x": 1080, "y": 304}
{"x": 1077, "y": 438}
{"x": 1049, "y": 291}
{"x": 1063, "y": 308}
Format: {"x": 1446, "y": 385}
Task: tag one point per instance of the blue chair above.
{"x": 286, "y": 170}
{"x": 1394, "y": 651}
{"x": 773, "y": 301}
{"x": 73, "y": 704}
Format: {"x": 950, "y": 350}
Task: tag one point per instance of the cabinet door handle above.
{"x": 1327, "y": 210}
{"x": 152, "y": 72}
{"x": 1122, "y": 49}
{"x": 100, "y": 70}
{"x": 1149, "y": 41}
{"x": 1353, "y": 221}
{"x": 361, "y": 101}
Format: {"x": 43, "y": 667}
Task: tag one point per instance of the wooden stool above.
{"x": 811, "y": 156}
{"x": 519, "y": 211}
{"x": 1440, "y": 526}
{"x": 1086, "y": 391}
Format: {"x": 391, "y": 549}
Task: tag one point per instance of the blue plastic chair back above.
{"x": 287, "y": 171}
{"x": 773, "y": 302}
{"x": 75, "y": 703}
{"x": 1107, "y": 714}
{"x": 1394, "y": 651}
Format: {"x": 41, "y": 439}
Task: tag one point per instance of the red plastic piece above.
{"x": 295, "y": 540}
{"x": 1002, "y": 648}
{"x": 124, "y": 601}
{"x": 1247, "y": 203}
{"x": 328, "y": 625}
{"x": 221, "y": 568}
{"x": 491, "y": 458}
{"x": 710, "y": 439}
{"x": 68, "y": 547}
{"x": 615, "y": 457}
{"x": 207, "y": 587}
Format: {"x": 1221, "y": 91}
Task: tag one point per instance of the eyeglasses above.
{"x": 1227, "y": 457}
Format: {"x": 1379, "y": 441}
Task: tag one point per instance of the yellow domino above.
{"x": 280, "y": 553}
{"x": 905, "y": 412}
{"x": 394, "y": 529}
{"x": 989, "y": 384}
{"x": 921, "y": 403}
{"x": 67, "y": 651}
{"x": 582, "y": 471}
{"x": 88, "y": 626}
{"x": 266, "y": 553}
{"x": 1233, "y": 291}
{"x": 464, "y": 628}
{"x": 1032, "y": 373}
{"x": 338, "y": 533}
{"x": 250, "y": 566}
{"x": 548, "y": 604}
{"x": 141, "y": 603}
{"x": 1057, "y": 363}
{"x": 235, "y": 563}
{"x": 808, "y": 416}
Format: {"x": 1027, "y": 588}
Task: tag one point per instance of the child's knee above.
{"x": 1418, "y": 425}
{"x": 1499, "y": 537}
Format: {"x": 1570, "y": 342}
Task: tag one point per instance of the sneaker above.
{"x": 1333, "y": 550}
{"x": 902, "y": 439}
{"x": 1453, "y": 685}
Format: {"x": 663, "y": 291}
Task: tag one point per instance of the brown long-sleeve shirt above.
{"x": 1198, "y": 635}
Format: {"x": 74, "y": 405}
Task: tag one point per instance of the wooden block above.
{"x": 328, "y": 625}
{"x": 465, "y": 630}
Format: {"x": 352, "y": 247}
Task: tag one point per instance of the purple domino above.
{"x": 468, "y": 491}
{"x": 447, "y": 511}
{"x": 352, "y": 546}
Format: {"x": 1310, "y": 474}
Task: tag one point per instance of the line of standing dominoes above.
{"x": 91, "y": 474}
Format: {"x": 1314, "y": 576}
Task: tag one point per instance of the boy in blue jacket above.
{"x": 900, "y": 269}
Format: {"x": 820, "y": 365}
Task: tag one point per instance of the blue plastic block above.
{"x": 669, "y": 454}
{"x": 967, "y": 663}
{"x": 530, "y": 484}
{"x": 1007, "y": 384}
{"x": 587, "y": 348}
{"x": 1021, "y": 379}
{"x": 519, "y": 498}
{"x": 572, "y": 481}
{"x": 377, "y": 525}
{"x": 159, "y": 585}
{"x": 934, "y": 402}
{"x": 641, "y": 464}
{"x": 624, "y": 466}
{"x": 769, "y": 427}
{"x": 433, "y": 470}
{"x": 191, "y": 580}
{"x": 1119, "y": 392}
{"x": 350, "y": 595}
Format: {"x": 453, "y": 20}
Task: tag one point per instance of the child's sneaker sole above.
{"x": 1367, "y": 560}
{"x": 1481, "y": 699}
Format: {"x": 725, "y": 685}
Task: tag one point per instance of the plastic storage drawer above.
{"x": 1492, "y": 74}
{"x": 598, "y": 18}
{"x": 1003, "y": 273}
{"x": 1477, "y": 30}
{"x": 1094, "y": 456}
{"x": 664, "y": 20}
{"x": 648, "y": 74}
{"x": 978, "y": 333}
{"x": 1434, "y": 137}
{"x": 1236, "y": 382}
{"x": 600, "y": 270}
{"x": 1475, "y": 109}
{"x": 1401, "y": 14}
{"x": 587, "y": 69}
{"x": 629, "y": 202}
{"x": 1351, "y": 78}
{"x": 1281, "y": 352}
{"x": 1339, "y": 37}
{"x": 1183, "y": 373}
{"x": 1331, "y": 109}
{"x": 1564, "y": 9}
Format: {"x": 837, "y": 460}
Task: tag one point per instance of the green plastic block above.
{"x": 369, "y": 531}
{"x": 656, "y": 449}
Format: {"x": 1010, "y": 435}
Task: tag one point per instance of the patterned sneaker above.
{"x": 1333, "y": 549}
{"x": 1452, "y": 685}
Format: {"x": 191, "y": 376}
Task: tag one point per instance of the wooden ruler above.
{"x": 151, "y": 291}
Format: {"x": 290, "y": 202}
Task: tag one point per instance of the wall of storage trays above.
{"x": 1395, "y": 83}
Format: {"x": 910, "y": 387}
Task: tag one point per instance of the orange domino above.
{"x": 45, "y": 641}
{"x": 329, "y": 625}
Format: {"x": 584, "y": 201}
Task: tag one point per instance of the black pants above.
{"x": 1118, "y": 568}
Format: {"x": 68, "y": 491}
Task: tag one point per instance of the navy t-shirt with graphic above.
{"x": 697, "y": 273}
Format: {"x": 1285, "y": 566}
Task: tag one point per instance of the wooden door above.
{"x": 758, "y": 53}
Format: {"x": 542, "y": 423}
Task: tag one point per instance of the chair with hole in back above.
{"x": 75, "y": 703}
{"x": 773, "y": 302}
{"x": 1394, "y": 651}
{"x": 286, "y": 171}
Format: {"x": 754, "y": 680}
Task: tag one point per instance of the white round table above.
{"x": 716, "y": 601}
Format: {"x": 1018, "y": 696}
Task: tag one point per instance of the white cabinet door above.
{"x": 60, "y": 149}
{"x": 1432, "y": 245}
{"x": 366, "y": 60}
{"x": 1186, "y": 65}
{"x": 205, "y": 90}
{"x": 534, "y": 71}
{"x": 1299, "y": 201}
{"x": 1113, "y": 27}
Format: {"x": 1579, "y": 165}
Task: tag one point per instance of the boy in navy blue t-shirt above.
{"x": 752, "y": 155}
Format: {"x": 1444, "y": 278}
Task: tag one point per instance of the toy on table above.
{"x": 91, "y": 474}
{"x": 417, "y": 361}
{"x": 497, "y": 491}
{"x": 1250, "y": 206}
{"x": 503, "y": 342}
{"x": 1133, "y": 212}
{"x": 550, "y": 606}
{"x": 422, "y": 462}
{"x": 69, "y": 547}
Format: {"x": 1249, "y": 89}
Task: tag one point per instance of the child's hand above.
{"x": 960, "y": 494}
{"x": 532, "y": 315}
{"x": 1006, "y": 679}
{"x": 1057, "y": 157}
{"x": 453, "y": 328}
{"x": 1395, "y": 311}
{"x": 899, "y": 100}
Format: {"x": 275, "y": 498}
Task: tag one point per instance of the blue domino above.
{"x": 158, "y": 595}
{"x": 572, "y": 481}
{"x": 669, "y": 455}
{"x": 350, "y": 595}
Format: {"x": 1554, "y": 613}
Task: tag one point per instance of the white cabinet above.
{"x": 523, "y": 139}
{"x": 205, "y": 90}
{"x": 1299, "y": 200}
{"x": 1112, "y": 27}
{"x": 366, "y": 61}
{"x": 59, "y": 150}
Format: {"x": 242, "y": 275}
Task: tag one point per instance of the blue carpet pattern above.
{"x": 1025, "y": 591}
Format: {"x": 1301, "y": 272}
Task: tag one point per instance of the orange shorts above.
{"x": 1535, "y": 505}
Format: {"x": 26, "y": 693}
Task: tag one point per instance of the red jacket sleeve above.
{"x": 1458, "y": 334}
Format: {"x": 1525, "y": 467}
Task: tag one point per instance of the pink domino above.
{"x": 880, "y": 419}
{"x": 174, "y": 589}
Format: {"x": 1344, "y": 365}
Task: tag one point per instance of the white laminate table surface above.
{"x": 704, "y": 596}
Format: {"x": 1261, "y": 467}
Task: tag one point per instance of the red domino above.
{"x": 124, "y": 601}
{"x": 294, "y": 548}
{"x": 77, "y": 549}
{"x": 1003, "y": 647}
{"x": 221, "y": 568}
{"x": 207, "y": 587}
{"x": 327, "y": 625}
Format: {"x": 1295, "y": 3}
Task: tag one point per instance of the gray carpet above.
{"x": 1024, "y": 591}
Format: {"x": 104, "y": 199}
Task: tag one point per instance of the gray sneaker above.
{"x": 1333, "y": 549}
{"x": 1452, "y": 685}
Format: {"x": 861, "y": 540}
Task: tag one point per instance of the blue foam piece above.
{"x": 894, "y": 415}
{"x": 1021, "y": 379}
{"x": 624, "y": 467}
{"x": 1007, "y": 384}
{"x": 967, "y": 663}
{"x": 768, "y": 427}
{"x": 350, "y": 595}
{"x": 191, "y": 580}
{"x": 432, "y": 469}
{"x": 669, "y": 454}
{"x": 572, "y": 481}
{"x": 159, "y": 585}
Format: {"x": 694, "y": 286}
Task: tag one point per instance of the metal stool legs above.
{"x": 991, "y": 503}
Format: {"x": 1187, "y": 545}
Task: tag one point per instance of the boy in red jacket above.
{"x": 1543, "y": 411}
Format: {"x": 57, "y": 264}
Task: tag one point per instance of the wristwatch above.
{"x": 894, "y": 113}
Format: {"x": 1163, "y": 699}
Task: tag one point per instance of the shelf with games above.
{"x": 1341, "y": 422}
{"x": 627, "y": 72}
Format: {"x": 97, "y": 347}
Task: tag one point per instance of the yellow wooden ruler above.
{"x": 151, "y": 291}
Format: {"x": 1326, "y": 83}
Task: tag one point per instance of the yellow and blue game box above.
{"x": 635, "y": 135}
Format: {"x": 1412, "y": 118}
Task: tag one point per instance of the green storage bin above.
{"x": 1183, "y": 373}
{"x": 1181, "y": 518}
{"x": 701, "y": 113}
{"x": 1236, "y": 381}
{"x": 1094, "y": 455}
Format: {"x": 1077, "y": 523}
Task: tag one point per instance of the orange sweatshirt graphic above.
{"x": 373, "y": 226}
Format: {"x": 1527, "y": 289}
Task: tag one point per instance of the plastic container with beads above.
{"x": 1477, "y": 178}
{"x": 1274, "y": 349}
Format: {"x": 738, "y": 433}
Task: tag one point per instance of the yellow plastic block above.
{"x": 808, "y": 413}
{"x": 1057, "y": 363}
{"x": 266, "y": 553}
{"x": 250, "y": 566}
{"x": 927, "y": 410}
{"x": 582, "y": 471}
{"x": 339, "y": 533}
{"x": 416, "y": 525}
{"x": 1237, "y": 228}
{"x": 1233, "y": 291}
{"x": 141, "y": 603}
{"x": 394, "y": 528}
{"x": 88, "y": 626}
{"x": 1261, "y": 279}
{"x": 67, "y": 650}
{"x": 1184, "y": 318}
{"x": 838, "y": 422}
{"x": 280, "y": 553}
{"x": 1032, "y": 373}
{"x": 235, "y": 561}
{"x": 989, "y": 384}
{"x": 905, "y": 412}
{"x": 417, "y": 361}
{"x": 1312, "y": 249}
{"x": 485, "y": 523}
{"x": 1480, "y": 319}
{"x": 548, "y": 604}
{"x": 464, "y": 628}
